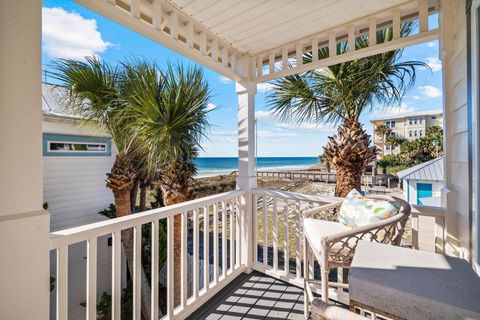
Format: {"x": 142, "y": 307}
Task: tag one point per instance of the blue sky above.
{"x": 72, "y": 31}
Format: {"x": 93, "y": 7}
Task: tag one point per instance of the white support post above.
{"x": 372, "y": 31}
{"x": 284, "y": 58}
{"x": 332, "y": 44}
{"x": 351, "y": 38}
{"x": 24, "y": 225}
{"x": 315, "y": 48}
{"x": 299, "y": 54}
{"x": 157, "y": 14}
{"x": 396, "y": 23}
{"x": 189, "y": 27}
{"x": 423, "y": 15}
{"x": 247, "y": 178}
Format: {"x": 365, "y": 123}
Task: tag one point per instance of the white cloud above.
{"x": 211, "y": 107}
{"x": 264, "y": 86}
{"x": 270, "y": 134}
{"x": 434, "y": 63}
{"x": 382, "y": 112}
{"x": 69, "y": 35}
{"x": 224, "y": 80}
{"x": 430, "y": 91}
{"x": 416, "y": 97}
{"x": 432, "y": 44}
{"x": 229, "y": 133}
{"x": 269, "y": 117}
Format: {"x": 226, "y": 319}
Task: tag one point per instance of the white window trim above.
{"x": 76, "y": 142}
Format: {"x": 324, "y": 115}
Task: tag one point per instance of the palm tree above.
{"x": 393, "y": 141}
{"x": 169, "y": 112}
{"x": 95, "y": 93}
{"x": 383, "y": 131}
{"x": 339, "y": 94}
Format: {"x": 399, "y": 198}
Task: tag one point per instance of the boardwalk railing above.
{"x": 315, "y": 176}
{"x": 219, "y": 218}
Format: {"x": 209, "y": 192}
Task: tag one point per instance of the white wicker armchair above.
{"x": 333, "y": 244}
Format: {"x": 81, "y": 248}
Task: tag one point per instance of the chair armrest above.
{"x": 325, "y": 311}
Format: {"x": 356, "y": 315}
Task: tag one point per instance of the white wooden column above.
{"x": 24, "y": 225}
{"x": 247, "y": 178}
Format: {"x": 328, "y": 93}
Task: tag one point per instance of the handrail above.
{"x": 295, "y": 196}
{"x": 97, "y": 229}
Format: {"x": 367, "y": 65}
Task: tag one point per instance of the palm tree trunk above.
{"x": 173, "y": 197}
{"x": 133, "y": 195}
{"x": 123, "y": 206}
{"x": 348, "y": 178}
{"x": 143, "y": 196}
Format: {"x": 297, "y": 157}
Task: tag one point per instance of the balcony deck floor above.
{"x": 254, "y": 296}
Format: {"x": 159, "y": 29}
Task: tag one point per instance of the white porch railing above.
{"x": 277, "y": 247}
{"x": 217, "y": 215}
{"x": 279, "y": 234}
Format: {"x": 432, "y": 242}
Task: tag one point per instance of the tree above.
{"x": 339, "y": 94}
{"x": 324, "y": 159}
{"x": 384, "y": 131}
{"x": 168, "y": 111}
{"x": 424, "y": 148}
{"x": 95, "y": 93}
{"x": 394, "y": 141}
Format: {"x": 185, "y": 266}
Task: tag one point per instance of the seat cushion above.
{"x": 357, "y": 210}
{"x": 315, "y": 230}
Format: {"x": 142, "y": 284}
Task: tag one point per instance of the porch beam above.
{"x": 357, "y": 54}
{"x": 415, "y": 10}
{"x": 164, "y": 23}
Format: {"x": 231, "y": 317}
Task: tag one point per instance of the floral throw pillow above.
{"x": 357, "y": 210}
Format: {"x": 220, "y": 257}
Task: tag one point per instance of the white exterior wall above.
{"x": 74, "y": 187}
{"x": 410, "y": 189}
{"x": 454, "y": 58}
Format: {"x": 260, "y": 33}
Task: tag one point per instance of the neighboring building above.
{"x": 408, "y": 125}
{"x": 75, "y": 160}
{"x": 422, "y": 184}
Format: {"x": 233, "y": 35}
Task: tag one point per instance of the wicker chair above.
{"x": 333, "y": 244}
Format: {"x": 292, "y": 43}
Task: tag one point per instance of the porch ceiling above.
{"x": 253, "y": 26}
{"x": 260, "y": 40}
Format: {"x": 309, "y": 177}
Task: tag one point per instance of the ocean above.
{"x": 210, "y": 166}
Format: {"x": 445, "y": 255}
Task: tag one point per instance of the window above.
{"x": 392, "y": 134}
{"x": 415, "y": 121}
{"x": 410, "y": 133}
{"x": 392, "y": 124}
{"x": 416, "y": 133}
{"x": 434, "y": 117}
{"x": 410, "y": 121}
{"x": 421, "y": 133}
{"x": 72, "y": 145}
{"x": 420, "y": 120}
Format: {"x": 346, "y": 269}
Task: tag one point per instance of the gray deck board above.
{"x": 254, "y": 296}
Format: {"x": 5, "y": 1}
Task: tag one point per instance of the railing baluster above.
{"x": 232, "y": 226}
{"x": 332, "y": 44}
{"x": 184, "y": 263}
{"x": 215, "y": 243}
{"x": 286, "y": 254}
{"x": 396, "y": 23}
{"x": 264, "y": 225}
{"x": 238, "y": 231}
{"x": 255, "y": 227}
{"x": 372, "y": 31}
{"x": 92, "y": 279}
{"x": 137, "y": 271}
{"x": 170, "y": 268}
{"x": 298, "y": 237}
{"x": 154, "y": 282}
{"x": 62, "y": 283}
{"x": 196, "y": 258}
{"x": 206, "y": 254}
{"x": 224, "y": 240}
{"x": 275, "y": 234}
{"x": 116, "y": 275}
